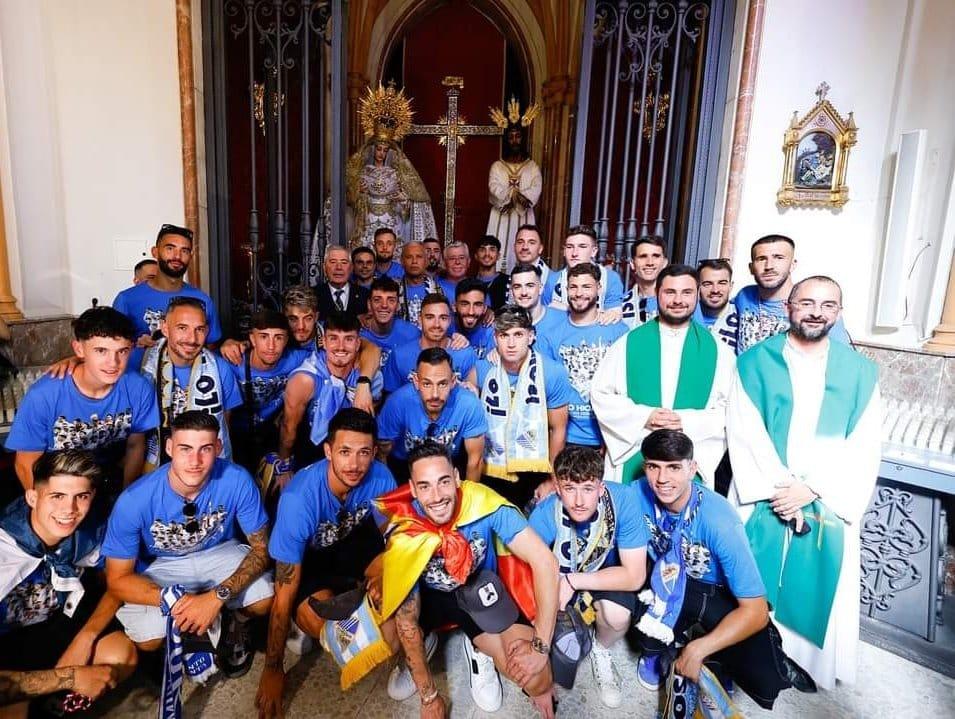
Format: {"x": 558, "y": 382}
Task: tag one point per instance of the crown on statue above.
{"x": 513, "y": 116}
{"x": 385, "y": 113}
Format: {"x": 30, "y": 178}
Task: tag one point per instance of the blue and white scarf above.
{"x": 331, "y": 393}
{"x": 203, "y": 393}
{"x": 517, "y": 438}
{"x": 668, "y": 578}
{"x": 198, "y": 665}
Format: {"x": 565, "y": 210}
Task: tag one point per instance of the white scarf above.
{"x": 559, "y": 301}
{"x": 517, "y": 438}
{"x": 203, "y": 393}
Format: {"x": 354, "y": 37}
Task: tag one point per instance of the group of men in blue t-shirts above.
{"x": 400, "y": 450}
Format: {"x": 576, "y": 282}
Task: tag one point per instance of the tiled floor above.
{"x": 888, "y": 686}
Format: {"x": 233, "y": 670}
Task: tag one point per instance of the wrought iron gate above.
{"x": 275, "y": 119}
{"x": 647, "y": 102}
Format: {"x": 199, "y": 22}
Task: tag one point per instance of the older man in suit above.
{"x": 337, "y": 293}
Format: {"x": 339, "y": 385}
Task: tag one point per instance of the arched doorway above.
{"x": 477, "y": 41}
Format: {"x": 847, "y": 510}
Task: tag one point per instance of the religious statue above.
{"x": 514, "y": 183}
{"x": 382, "y": 187}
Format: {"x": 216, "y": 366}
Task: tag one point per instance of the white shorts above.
{"x": 197, "y": 572}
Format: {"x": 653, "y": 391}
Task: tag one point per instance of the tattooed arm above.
{"x": 412, "y": 642}
{"x": 90, "y": 681}
{"x": 196, "y": 612}
{"x": 268, "y": 700}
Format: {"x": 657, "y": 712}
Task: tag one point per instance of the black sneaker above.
{"x": 234, "y": 653}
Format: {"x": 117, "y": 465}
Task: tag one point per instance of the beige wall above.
{"x": 91, "y": 96}
{"x": 891, "y": 62}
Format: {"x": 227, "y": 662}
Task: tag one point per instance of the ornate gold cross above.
{"x": 451, "y": 130}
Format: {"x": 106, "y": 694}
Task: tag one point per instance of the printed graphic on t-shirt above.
{"x": 442, "y": 436}
{"x": 581, "y": 362}
{"x": 174, "y": 538}
{"x": 331, "y": 532}
{"x": 29, "y": 603}
{"x": 266, "y": 390}
{"x": 77, "y": 434}
{"x": 754, "y": 327}
{"x": 437, "y": 577}
{"x": 152, "y": 318}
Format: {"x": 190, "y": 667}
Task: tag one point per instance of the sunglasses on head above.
{"x": 176, "y": 230}
{"x": 189, "y": 511}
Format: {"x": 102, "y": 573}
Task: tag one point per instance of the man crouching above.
{"x": 458, "y": 553}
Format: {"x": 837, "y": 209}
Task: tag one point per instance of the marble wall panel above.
{"x": 39, "y": 342}
{"x": 917, "y": 377}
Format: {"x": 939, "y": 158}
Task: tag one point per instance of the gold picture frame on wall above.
{"x": 816, "y": 151}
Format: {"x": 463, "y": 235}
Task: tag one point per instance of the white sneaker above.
{"x": 298, "y": 642}
{"x": 606, "y": 676}
{"x": 401, "y": 684}
{"x": 486, "y": 689}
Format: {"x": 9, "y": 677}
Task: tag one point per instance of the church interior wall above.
{"x": 92, "y": 119}
{"x": 891, "y": 64}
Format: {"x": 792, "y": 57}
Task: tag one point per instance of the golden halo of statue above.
{"x": 385, "y": 113}
{"x": 513, "y": 116}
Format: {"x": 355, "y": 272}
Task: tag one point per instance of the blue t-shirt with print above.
{"x": 311, "y": 517}
{"x": 760, "y": 319}
{"x": 629, "y": 529}
{"x": 33, "y": 599}
{"x": 413, "y": 295}
{"x": 505, "y": 523}
{"x": 481, "y": 338}
{"x": 551, "y": 317}
{"x": 263, "y": 390}
{"x": 148, "y": 520}
{"x": 231, "y": 394}
{"x": 580, "y": 349}
{"x": 146, "y": 307}
{"x": 447, "y": 287}
{"x": 404, "y": 420}
{"x": 717, "y": 550}
{"x": 403, "y": 360}
{"x": 556, "y": 383}
{"x": 54, "y": 414}
{"x": 402, "y": 332}
{"x": 395, "y": 271}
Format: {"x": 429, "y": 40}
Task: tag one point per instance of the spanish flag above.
{"x": 413, "y": 539}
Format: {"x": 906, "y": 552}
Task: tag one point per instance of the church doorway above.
{"x": 471, "y": 40}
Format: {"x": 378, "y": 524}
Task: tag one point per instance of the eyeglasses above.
{"x": 829, "y": 307}
{"x": 189, "y": 511}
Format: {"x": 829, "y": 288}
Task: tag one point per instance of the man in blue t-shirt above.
{"x": 188, "y": 376}
{"x": 382, "y": 326}
{"x": 703, "y": 572}
{"x": 599, "y": 539}
{"x": 529, "y": 250}
{"x": 579, "y": 341}
{"x": 173, "y": 546}
{"x": 648, "y": 256}
{"x": 519, "y": 404}
{"x": 457, "y": 259}
{"x": 262, "y": 377}
{"x": 145, "y": 304}
{"x": 471, "y": 317}
{"x": 415, "y": 283}
{"x": 385, "y": 243}
{"x": 435, "y": 320}
{"x": 436, "y": 588}
{"x": 526, "y": 291}
{"x": 54, "y": 611}
{"x": 99, "y": 407}
{"x": 761, "y": 308}
{"x": 581, "y": 246}
{"x": 324, "y": 539}
{"x": 716, "y": 310}
{"x": 434, "y": 406}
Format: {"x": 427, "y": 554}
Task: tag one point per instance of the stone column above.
{"x": 8, "y": 303}
{"x": 187, "y": 117}
{"x": 559, "y": 96}
{"x": 943, "y": 337}
{"x": 744, "y": 112}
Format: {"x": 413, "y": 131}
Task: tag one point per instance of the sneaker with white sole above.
{"x": 648, "y": 672}
{"x": 606, "y": 676}
{"x": 297, "y": 641}
{"x": 401, "y": 685}
{"x": 486, "y": 688}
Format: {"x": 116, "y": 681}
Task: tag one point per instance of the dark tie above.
{"x": 338, "y": 300}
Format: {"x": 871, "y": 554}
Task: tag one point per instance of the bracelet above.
{"x": 567, "y": 579}
{"x": 426, "y": 700}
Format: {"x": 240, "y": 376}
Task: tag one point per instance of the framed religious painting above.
{"x": 816, "y": 151}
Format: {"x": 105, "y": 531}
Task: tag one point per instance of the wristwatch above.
{"x": 538, "y": 645}
{"x": 363, "y": 380}
{"x": 223, "y": 593}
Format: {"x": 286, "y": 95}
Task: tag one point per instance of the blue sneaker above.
{"x": 648, "y": 672}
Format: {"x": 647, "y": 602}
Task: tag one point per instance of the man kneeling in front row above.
{"x": 172, "y": 550}
{"x": 458, "y": 554}
{"x": 704, "y": 574}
